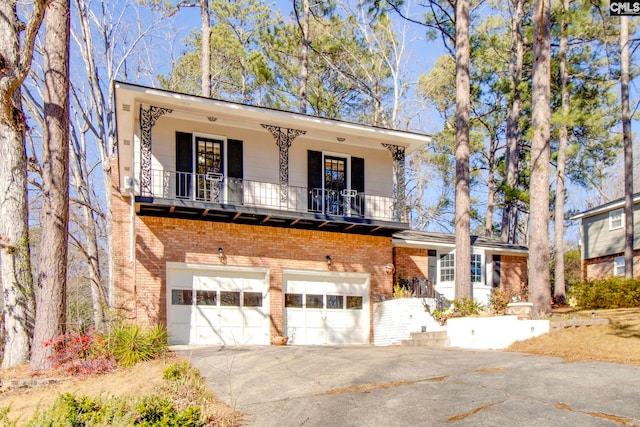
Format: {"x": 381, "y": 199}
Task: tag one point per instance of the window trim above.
{"x": 613, "y": 216}
{"x": 618, "y": 270}
{"x": 453, "y": 266}
{"x": 480, "y": 261}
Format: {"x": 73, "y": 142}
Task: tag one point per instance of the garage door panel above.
{"x": 207, "y": 336}
{"x": 216, "y": 315}
{"x": 233, "y": 336}
{"x": 253, "y": 317}
{"x": 335, "y": 309}
{"x": 179, "y": 333}
{"x": 335, "y": 319}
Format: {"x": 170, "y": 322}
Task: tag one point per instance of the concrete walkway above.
{"x": 413, "y": 386}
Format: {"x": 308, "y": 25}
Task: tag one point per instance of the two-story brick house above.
{"x": 234, "y": 223}
{"x": 602, "y": 239}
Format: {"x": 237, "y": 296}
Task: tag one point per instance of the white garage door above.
{"x": 327, "y": 308}
{"x": 217, "y": 305}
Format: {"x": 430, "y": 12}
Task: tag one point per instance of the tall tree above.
{"x": 628, "y": 146}
{"x": 16, "y": 53}
{"x": 54, "y": 216}
{"x": 205, "y": 21}
{"x": 303, "y": 24}
{"x": 559, "y": 285}
{"x": 463, "y": 203}
{"x": 514, "y": 135}
{"x": 539, "y": 288}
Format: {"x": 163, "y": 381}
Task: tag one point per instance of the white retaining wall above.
{"x": 394, "y": 320}
{"x": 492, "y": 332}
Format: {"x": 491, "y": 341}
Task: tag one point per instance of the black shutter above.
{"x": 314, "y": 179}
{"x": 496, "y": 271}
{"x": 184, "y": 163}
{"x": 357, "y": 183}
{"x": 235, "y": 172}
{"x": 234, "y": 158}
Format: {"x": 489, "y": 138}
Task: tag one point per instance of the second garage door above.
{"x": 326, "y": 308}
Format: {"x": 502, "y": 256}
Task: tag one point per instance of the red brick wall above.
{"x": 161, "y": 240}
{"x": 599, "y": 268}
{"x": 513, "y": 274}
{"x": 123, "y": 274}
{"x": 411, "y": 262}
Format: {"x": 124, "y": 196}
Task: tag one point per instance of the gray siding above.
{"x": 600, "y": 241}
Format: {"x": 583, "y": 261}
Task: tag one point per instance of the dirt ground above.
{"x": 618, "y": 342}
{"x": 142, "y": 379}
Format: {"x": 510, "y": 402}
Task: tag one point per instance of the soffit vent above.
{"x": 126, "y": 107}
{"x": 126, "y": 142}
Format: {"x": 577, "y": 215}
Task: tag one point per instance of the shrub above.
{"x": 465, "y": 307}
{"x": 400, "y": 291}
{"x": 611, "y": 292}
{"x": 131, "y": 344}
{"x": 80, "y": 411}
{"x": 498, "y": 301}
{"x": 81, "y": 353}
{"x": 186, "y": 385}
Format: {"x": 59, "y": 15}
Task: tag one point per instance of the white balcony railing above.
{"x": 214, "y": 188}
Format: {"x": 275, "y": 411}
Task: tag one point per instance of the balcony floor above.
{"x": 240, "y": 214}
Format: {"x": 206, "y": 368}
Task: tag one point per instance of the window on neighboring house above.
{"x": 476, "y": 268}
{"x": 618, "y": 266}
{"x": 616, "y": 219}
{"x": 447, "y": 267}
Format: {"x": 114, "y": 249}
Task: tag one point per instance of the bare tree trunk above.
{"x": 304, "y": 60}
{"x": 206, "y": 49}
{"x": 509, "y": 212}
{"x": 16, "y": 51}
{"x": 54, "y": 217}
{"x": 90, "y": 247}
{"x": 628, "y": 147}
{"x": 559, "y": 287}
{"x": 463, "y": 204}
{"x": 105, "y": 130}
{"x": 539, "y": 289}
{"x": 488, "y": 226}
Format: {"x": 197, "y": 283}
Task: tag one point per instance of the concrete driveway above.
{"x": 410, "y": 386}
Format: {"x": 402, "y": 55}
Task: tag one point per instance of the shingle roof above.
{"x": 446, "y": 239}
{"x": 609, "y": 206}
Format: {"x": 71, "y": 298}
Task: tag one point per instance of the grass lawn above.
{"x": 618, "y": 342}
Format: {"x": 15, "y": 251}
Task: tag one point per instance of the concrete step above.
{"x": 427, "y": 339}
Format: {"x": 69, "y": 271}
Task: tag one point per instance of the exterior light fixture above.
{"x": 220, "y": 254}
{"x": 340, "y": 139}
{"x": 389, "y": 269}
{"x": 329, "y": 260}
{"x": 212, "y": 119}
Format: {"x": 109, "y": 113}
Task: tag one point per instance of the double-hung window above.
{"x": 447, "y": 267}
{"x": 616, "y": 219}
{"x": 618, "y": 266}
{"x": 476, "y": 268}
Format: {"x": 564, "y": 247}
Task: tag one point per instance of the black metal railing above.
{"x": 215, "y": 188}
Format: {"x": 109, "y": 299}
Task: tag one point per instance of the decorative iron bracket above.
{"x": 148, "y": 118}
{"x": 284, "y": 137}
{"x": 399, "y": 183}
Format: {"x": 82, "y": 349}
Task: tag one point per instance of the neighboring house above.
{"x": 234, "y": 223}
{"x": 602, "y": 239}
{"x": 431, "y": 256}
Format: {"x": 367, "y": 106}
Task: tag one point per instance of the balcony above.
{"x": 218, "y": 198}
